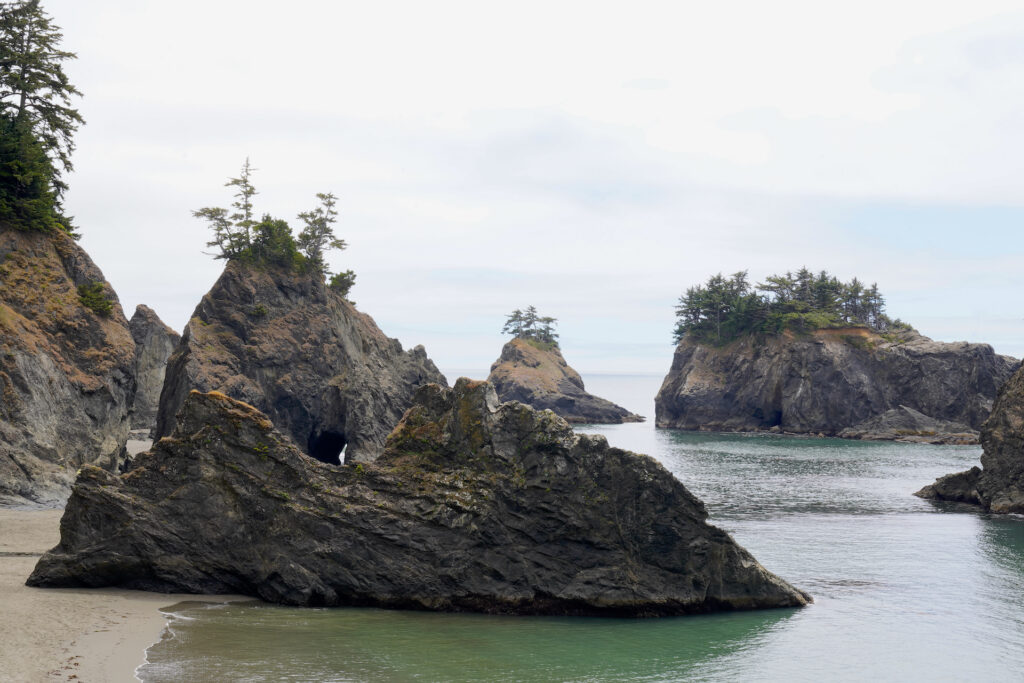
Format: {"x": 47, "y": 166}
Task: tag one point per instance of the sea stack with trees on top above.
{"x": 531, "y": 370}
{"x": 277, "y": 331}
{"x": 806, "y": 353}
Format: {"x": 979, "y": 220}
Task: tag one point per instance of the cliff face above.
{"x": 285, "y": 343}
{"x": 998, "y": 486}
{"x": 154, "y": 344}
{"x": 66, "y": 373}
{"x": 474, "y": 506}
{"x": 540, "y": 377}
{"x": 829, "y": 381}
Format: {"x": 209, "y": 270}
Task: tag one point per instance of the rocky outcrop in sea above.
{"x": 286, "y": 343}
{"x": 840, "y": 382}
{"x": 67, "y": 372}
{"x": 154, "y": 344}
{"x": 536, "y": 374}
{"x": 474, "y": 506}
{"x": 998, "y": 485}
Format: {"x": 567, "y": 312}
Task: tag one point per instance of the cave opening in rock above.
{"x": 327, "y": 446}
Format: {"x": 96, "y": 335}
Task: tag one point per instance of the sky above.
{"x": 591, "y": 159}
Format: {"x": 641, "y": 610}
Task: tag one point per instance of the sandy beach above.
{"x": 66, "y": 634}
{"x": 49, "y": 634}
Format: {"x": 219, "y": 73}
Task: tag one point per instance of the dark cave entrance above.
{"x": 327, "y": 446}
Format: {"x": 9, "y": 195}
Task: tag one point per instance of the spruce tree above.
{"x": 318, "y": 235}
{"x": 34, "y": 89}
{"x": 27, "y": 199}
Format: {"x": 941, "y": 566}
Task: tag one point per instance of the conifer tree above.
{"x": 318, "y": 235}
{"x": 37, "y": 121}
{"x": 529, "y": 325}
{"x": 27, "y": 200}
{"x": 33, "y": 85}
{"x": 243, "y": 216}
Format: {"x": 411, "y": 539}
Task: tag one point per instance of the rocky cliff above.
{"x": 285, "y": 343}
{"x": 537, "y": 375}
{"x": 154, "y": 344}
{"x": 998, "y": 485}
{"x": 832, "y": 380}
{"x": 66, "y": 372}
{"x": 473, "y": 506}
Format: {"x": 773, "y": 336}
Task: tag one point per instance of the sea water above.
{"x": 904, "y": 589}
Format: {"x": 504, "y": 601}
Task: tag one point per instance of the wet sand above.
{"x": 68, "y": 634}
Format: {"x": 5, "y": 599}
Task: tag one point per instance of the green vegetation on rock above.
{"x": 342, "y": 282}
{"x": 37, "y": 121}
{"x": 237, "y": 235}
{"x": 726, "y": 308}
{"x": 532, "y": 327}
{"x": 93, "y": 297}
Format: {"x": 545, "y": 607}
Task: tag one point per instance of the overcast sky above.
{"x": 592, "y": 159}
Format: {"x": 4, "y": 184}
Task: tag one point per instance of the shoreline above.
{"x": 70, "y": 634}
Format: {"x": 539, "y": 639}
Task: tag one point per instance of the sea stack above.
{"x": 473, "y": 506}
{"x": 535, "y": 373}
{"x": 154, "y": 344}
{"x": 998, "y": 485}
{"x": 67, "y": 367}
{"x": 845, "y": 381}
{"x": 280, "y": 339}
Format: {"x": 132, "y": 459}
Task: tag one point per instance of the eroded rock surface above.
{"x": 474, "y": 506}
{"x": 538, "y": 376}
{"x": 154, "y": 344}
{"x": 908, "y": 425}
{"x": 287, "y": 344}
{"x": 66, "y": 373}
{"x": 998, "y": 485}
{"x": 828, "y": 381}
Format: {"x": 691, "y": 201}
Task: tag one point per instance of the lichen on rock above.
{"x": 473, "y": 506}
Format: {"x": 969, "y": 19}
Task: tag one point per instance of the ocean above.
{"x": 904, "y": 589}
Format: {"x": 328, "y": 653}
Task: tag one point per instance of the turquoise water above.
{"x": 904, "y": 589}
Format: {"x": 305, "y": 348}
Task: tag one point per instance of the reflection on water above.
{"x": 377, "y": 645}
{"x": 905, "y": 589}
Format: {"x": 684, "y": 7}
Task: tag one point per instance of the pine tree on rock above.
{"x": 318, "y": 235}
{"x": 35, "y": 101}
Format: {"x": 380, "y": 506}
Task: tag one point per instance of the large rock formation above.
{"x": 66, "y": 372}
{"x": 537, "y": 375}
{"x": 473, "y": 506}
{"x": 906, "y": 424}
{"x": 998, "y": 486}
{"x": 828, "y": 381}
{"x": 154, "y": 344}
{"x": 287, "y": 344}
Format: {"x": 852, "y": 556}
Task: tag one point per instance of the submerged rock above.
{"x": 287, "y": 344}
{"x": 474, "y": 506}
{"x": 537, "y": 375}
{"x": 66, "y": 372}
{"x": 154, "y": 344}
{"x": 998, "y": 485}
{"x": 829, "y": 381}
